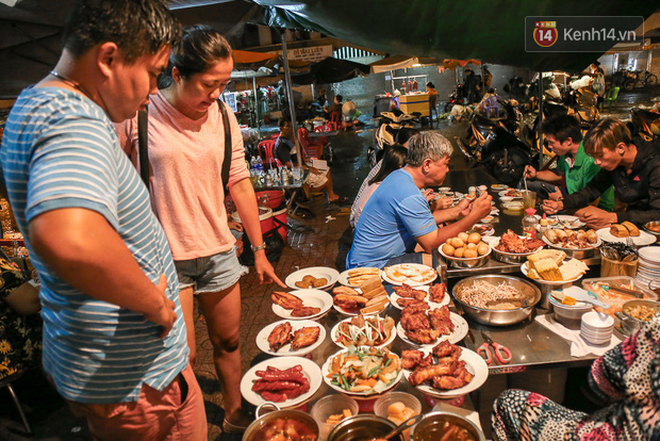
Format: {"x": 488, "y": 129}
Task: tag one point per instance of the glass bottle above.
{"x": 530, "y": 223}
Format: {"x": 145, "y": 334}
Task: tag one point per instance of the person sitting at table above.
{"x": 335, "y": 107}
{"x": 626, "y": 376}
{"x": 573, "y": 164}
{"x": 631, "y": 165}
{"x": 394, "y": 158}
{"x": 397, "y": 217}
{"x": 402, "y": 137}
{"x": 285, "y": 151}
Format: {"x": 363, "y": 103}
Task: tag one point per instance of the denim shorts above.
{"x": 209, "y": 274}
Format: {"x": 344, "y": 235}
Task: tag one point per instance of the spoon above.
{"x": 581, "y": 295}
{"x": 407, "y": 424}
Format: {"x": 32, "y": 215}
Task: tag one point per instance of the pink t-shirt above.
{"x": 186, "y": 156}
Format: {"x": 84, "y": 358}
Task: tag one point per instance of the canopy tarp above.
{"x": 248, "y": 57}
{"x": 491, "y": 31}
{"x": 331, "y": 70}
{"x": 395, "y": 62}
{"x": 453, "y": 64}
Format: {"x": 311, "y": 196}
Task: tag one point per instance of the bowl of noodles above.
{"x": 496, "y": 300}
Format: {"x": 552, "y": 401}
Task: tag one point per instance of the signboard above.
{"x": 314, "y": 54}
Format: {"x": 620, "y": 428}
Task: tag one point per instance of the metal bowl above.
{"x": 258, "y": 428}
{"x": 629, "y": 324}
{"x": 653, "y": 224}
{"x": 362, "y": 428}
{"x": 500, "y": 317}
{"x": 503, "y": 256}
{"x": 580, "y": 253}
{"x": 472, "y": 262}
{"x": 431, "y": 426}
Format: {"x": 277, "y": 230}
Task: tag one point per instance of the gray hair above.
{"x": 428, "y": 145}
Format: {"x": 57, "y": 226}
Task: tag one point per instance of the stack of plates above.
{"x": 596, "y": 328}
{"x": 649, "y": 265}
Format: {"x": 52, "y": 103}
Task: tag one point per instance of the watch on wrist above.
{"x": 258, "y": 248}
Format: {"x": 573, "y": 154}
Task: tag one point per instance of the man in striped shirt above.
{"x": 114, "y": 336}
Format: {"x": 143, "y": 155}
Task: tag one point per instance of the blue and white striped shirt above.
{"x": 60, "y": 150}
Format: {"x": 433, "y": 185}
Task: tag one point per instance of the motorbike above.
{"x": 456, "y": 97}
{"x": 498, "y": 145}
{"x": 390, "y": 123}
{"x": 645, "y": 124}
{"x": 515, "y": 86}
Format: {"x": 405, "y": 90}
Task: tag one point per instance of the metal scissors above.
{"x": 502, "y": 353}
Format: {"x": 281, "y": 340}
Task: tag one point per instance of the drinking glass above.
{"x": 529, "y": 199}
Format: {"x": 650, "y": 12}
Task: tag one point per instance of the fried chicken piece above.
{"x": 422, "y": 374}
{"x": 446, "y": 382}
{"x": 407, "y": 301}
{"x": 423, "y": 336}
{"x": 305, "y": 311}
{"x": 446, "y": 349}
{"x": 305, "y": 336}
{"x": 412, "y": 359}
{"x": 441, "y": 320}
{"x": 407, "y": 291}
{"x": 280, "y": 336}
{"x": 349, "y": 302}
{"x": 286, "y": 300}
{"x": 437, "y": 292}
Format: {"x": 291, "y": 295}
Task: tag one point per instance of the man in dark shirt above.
{"x": 631, "y": 165}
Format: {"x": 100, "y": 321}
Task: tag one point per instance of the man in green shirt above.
{"x": 565, "y": 140}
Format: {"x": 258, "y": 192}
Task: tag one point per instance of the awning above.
{"x": 396, "y": 62}
{"x": 331, "y": 70}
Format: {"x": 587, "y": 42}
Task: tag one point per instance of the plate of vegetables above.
{"x": 362, "y": 370}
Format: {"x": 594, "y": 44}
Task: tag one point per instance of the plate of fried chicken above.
{"x": 405, "y": 295}
{"x": 422, "y": 326}
{"x": 445, "y": 370}
{"x": 290, "y": 338}
{"x": 303, "y": 304}
{"x": 287, "y": 381}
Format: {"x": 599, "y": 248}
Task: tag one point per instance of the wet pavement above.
{"x": 314, "y": 241}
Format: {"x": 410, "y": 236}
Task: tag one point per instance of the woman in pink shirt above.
{"x": 186, "y": 151}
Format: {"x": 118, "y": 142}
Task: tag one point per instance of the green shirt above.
{"x": 579, "y": 175}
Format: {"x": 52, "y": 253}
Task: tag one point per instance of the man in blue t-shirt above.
{"x": 397, "y": 216}
{"x": 114, "y": 340}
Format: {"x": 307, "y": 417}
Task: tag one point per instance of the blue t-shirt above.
{"x": 60, "y": 150}
{"x": 393, "y": 217}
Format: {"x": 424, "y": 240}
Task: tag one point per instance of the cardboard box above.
{"x": 415, "y": 103}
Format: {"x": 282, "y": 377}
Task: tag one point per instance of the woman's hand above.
{"x": 265, "y": 271}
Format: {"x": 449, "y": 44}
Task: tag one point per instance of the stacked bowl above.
{"x": 596, "y": 328}
{"x": 648, "y": 267}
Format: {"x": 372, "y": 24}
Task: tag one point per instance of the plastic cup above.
{"x": 529, "y": 199}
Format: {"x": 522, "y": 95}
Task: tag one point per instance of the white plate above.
{"x": 506, "y": 198}
{"x": 461, "y": 329}
{"x": 644, "y": 238}
{"x": 325, "y": 371}
{"x": 313, "y": 298}
{"x": 309, "y": 369}
{"x": 598, "y": 243}
{"x": 488, "y": 219}
{"x": 475, "y": 365}
{"x": 489, "y": 232}
{"x": 650, "y": 254}
{"x": 262, "y": 338}
{"x": 343, "y": 279}
{"x": 334, "y": 335}
{"x": 525, "y": 269}
{"x": 570, "y": 222}
{"x": 413, "y": 266}
{"x": 434, "y": 305}
{"x": 503, "y": 193}
{"x": 499, "y": 187}
{"x": 317, "y": 271}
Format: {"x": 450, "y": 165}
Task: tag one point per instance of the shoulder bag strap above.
{"x": 143, "y": 145}
{"x": 226, "y": 162}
